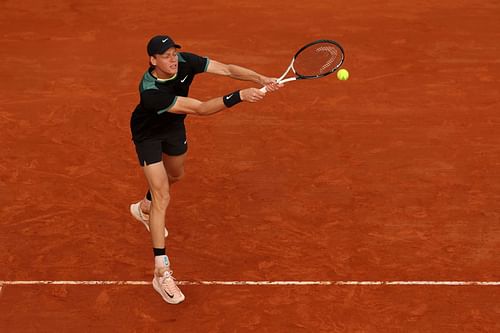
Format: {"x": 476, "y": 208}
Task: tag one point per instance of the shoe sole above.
{"x": 146, "y": 225}
{"x": 166, "y": 299}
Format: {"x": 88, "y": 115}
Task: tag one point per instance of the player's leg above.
{"x": 174, "y": 149}
{"x": 174, "y": 166}
{"x": 174, "y": 154}
{"x": 159, "y": 187}
{"x": 175, "y": 171}
{"x": 163, "y": 281}
{"x": 148, "y": 153}
{"x": 150, "y": 158}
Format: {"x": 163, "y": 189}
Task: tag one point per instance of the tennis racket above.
{"x": 313, "y": 61}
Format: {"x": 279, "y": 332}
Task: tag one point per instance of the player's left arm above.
{"x": 242, "y": 73}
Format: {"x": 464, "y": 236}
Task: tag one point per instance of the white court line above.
{"x": 262, "y": 283}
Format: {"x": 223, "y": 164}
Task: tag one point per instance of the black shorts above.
{"x": 150, "y": 151}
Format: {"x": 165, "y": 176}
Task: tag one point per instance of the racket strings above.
{"x": 318, "y": 59}
{"x": 333, "y": 55}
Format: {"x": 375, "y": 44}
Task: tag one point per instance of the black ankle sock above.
{"x": 158, "y": 252}
{"x": 148, "y": 196}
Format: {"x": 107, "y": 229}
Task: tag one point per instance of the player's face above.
{"x": 166, "y": 63}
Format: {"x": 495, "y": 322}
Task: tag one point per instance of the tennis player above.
{"x": 159, "y": 135}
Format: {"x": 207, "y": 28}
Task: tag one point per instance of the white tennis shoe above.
{"x": 165, "y": 286}
{"x": 136, "y": 211}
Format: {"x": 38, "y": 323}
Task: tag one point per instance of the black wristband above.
{"x": 158, "y": 252}
{"x": 232, "y": 99}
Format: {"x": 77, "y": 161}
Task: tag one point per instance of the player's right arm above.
{"x": 192, "y": 106}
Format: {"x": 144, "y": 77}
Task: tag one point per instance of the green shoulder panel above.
{"x": 180, "y": 57}
{"x": 147, "y": 82}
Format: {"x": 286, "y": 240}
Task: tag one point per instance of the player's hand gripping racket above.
{"x": 313, "y": 61}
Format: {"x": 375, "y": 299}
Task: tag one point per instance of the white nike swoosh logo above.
{"x": 185, "y": 141}
{"x": 184, "y": 79}
{"x": 164, "y": 40}
{"x": 228, "y": 97}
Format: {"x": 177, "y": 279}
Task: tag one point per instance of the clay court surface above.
{"x": 393, "y": 175}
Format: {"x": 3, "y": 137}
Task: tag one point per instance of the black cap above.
{"x": 159, "y": 44}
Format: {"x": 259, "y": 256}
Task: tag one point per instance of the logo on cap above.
{"x": 164, "y": 40}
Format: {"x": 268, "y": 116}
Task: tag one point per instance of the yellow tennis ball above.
{"x": 342, "y": 74}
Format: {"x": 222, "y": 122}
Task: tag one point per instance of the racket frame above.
{"x": 297, "y": 76}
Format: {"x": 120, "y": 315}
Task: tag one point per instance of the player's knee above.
{"x": 161, "y": 198}
{"x": 175, "y": 178}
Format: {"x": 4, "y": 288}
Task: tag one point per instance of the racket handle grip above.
{"x": 280, "y": 81}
